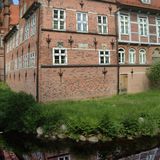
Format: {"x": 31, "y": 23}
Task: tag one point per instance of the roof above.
{"x": 14, "y": 14}
{"x": 155, "y": 4}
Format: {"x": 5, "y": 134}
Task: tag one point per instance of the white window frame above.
{"x": 144, "y": 26}
{"x": 142, "y": 56}
{"x": 27, "y": 30}
{"x": 132, "y": 56}
{"x": 60, "y": 56}
{"x": 33, "y": 24}
{"x": 126, "y": 23}
{"x": 102, "y": 24}
{"x": 59, "y": 20}
{"x": 104, "y": 57}
{"x": 68, "y": 156}
{"x": 81, "y": 22}
{"x": 32, "y": 59}
{"x": 146, "y": 1}
{"x": 158, "y": 26}
{"x": 121, "y": 59}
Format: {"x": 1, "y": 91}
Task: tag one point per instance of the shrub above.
{"x": 18, "y": 111}
{"x": 154, "y": 75}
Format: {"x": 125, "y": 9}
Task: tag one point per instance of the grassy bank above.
{"x": 125, "y": 116}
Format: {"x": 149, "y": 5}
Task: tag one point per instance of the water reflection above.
{"x": 31, "y": 148}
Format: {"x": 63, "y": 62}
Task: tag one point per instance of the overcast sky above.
{"x": 15, "y": 1}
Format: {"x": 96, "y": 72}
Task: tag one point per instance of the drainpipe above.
{"x": 38, "y": 42}
{"x": 117, "y": 37}
{"x": 4, "y": 61}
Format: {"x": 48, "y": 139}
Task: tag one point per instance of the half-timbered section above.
{"x": 139, "y": 40}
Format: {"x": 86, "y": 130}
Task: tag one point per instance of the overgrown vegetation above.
{"x": 154, "y": 75}
{"x": 124, "y": 116}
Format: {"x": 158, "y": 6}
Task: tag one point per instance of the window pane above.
{"x": 99, "y": 19}
{"x": 55, "y": 13}
{"x": 55, "y": 24}
{"x": 104, "y": 20}
{"x": 78, "y": 16}
{"x": 62, "y": 25}
{"x": 61, "y": 14}
{"x": 102, "y": 59}
{"x": 63, "y": 59}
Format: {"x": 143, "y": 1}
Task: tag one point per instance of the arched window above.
{"x": 142, "y": 56}
{"x": 121, "y": 53}
{"x": 132, "y": 56}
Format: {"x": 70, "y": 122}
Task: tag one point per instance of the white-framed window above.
{"x": 25, "y": 61}
{"x": 66, "y": 157}
{"x": 146, "y": 1}
{"x": 142, "y": 56}
{"x": 32, "y": 59}
{"x": 27, "y": 30}
{"x": 104, "y": 57}
{"x": 102, "y": 25}
{"x": 143, "y": 26}
{"x": 124, "y": 24}
{"x": 59, "y": 56}
{"x": 82, "y": 22}
{"x": 121, "y": 53}
{"x": 158, "y": 26}
{"x": 33, "y": 24}
{"x": 1, "y": 41}
{"x": 132, "y": 56}
{"x": 59, "y": 19}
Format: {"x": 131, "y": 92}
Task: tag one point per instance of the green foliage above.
{"x": 18, "y": 111}
{"x": 120, "y": 116}
{"x": 154, "y": 75}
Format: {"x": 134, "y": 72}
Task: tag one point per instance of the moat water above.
{"x": 23, "y": 147}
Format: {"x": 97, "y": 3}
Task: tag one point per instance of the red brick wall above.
{"x": 77, "y": 82}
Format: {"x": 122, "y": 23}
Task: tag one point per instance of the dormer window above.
{"x": 146, "y": 1}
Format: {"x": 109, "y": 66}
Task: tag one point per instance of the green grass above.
{"x": 119, "y": 116}
{"x": 123, "y": 116}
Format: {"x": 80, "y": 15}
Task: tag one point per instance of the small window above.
{"x": 104, "y": 57}
{"x": 132, "y": 56}
{"x": 67, "y": 157}
{"x": 59, "y": 56}
{"x": 121, "y": 56}
{"x": 27, "y": 30}
{"x": 143, "y": 26}
{"x": 146, "y": 1}
{"x": 33, "y": 24}
{"x": 82, "y": 22}
{"x": 102, "y": 25}
{"x": 32, "y": 59}
{"x": 124, "y": 24}
{"x": 142, "y": 56}
{"x": 58, "y": 19}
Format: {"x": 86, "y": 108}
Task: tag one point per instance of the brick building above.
{"x": 62, "y": 50}
{"x": 139, "y": 40}
{"x": 82, "y": 48}
{"x": 8, "y": 18}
